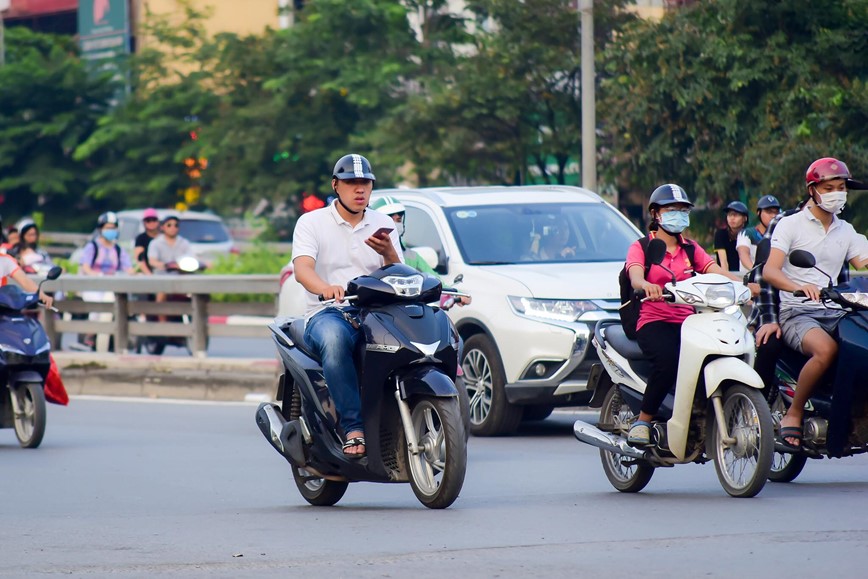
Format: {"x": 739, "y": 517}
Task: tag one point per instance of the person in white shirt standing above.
{"x": 807, "y": 326}
{"x": 331, "y": 246}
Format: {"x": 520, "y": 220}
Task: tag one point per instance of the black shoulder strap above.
{"x": 689, "y": 249}
{"x": 95, "y": 251}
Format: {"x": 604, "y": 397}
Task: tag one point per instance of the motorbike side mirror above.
{"x": 458, "y": 279}
{"x": 802, "y": 258}
{"x": 656, "y": 251}
{"x": 54, "y": 272}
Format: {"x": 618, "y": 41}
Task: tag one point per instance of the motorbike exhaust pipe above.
{"x": 592, "y": 435}
{"x": 285, "y": 437}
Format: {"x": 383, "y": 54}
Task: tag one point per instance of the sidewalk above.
{"x": 225, "y": 379}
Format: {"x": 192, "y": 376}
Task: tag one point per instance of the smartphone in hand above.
{"x": 383, "y": 232}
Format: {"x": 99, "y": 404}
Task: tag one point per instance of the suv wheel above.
{"x": 484, "y": 378}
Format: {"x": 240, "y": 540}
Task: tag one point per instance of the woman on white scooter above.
{"x": 658, "y": 329}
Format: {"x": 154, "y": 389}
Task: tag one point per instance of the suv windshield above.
{"x": 203, "y": 231}
{"x": 535, "y": 233}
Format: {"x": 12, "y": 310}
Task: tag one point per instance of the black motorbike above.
{"x": 24, "y": 364}
{"x": 156, "y": 345}
{"x": 407, "y": 367}
{"x": 836, "y": 416}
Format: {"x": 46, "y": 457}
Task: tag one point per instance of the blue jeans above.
{"x": 334, "y": 339}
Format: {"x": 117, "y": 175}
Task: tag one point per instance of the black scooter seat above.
{"x": 628, "y": 348}
{"x": 296, "y": 334}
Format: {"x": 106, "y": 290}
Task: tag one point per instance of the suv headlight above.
{"x": 406, "y": 286}
{"x": 717, "y": 295}
{"x": 559, "y": 310}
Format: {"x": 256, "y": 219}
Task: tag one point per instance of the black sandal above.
{"x": 355, "y": 441}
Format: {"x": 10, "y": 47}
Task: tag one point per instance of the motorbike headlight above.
{"x": 406, "y": 286}
{"x": 688, "y": 297}
{"x": 857, "y": 298}
{"x": 559, "y": 310}
{"x": 718, "y": 295}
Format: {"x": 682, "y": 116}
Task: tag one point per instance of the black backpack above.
{"x": 629, "y": 310}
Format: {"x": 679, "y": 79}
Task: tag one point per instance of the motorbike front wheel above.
{"x": 28, "y": 406}
{"x": 628, "y": 475}
{"x": 318, "y": 491}
{"x": 437, "y": 472}
{"x": 743, "y": 467}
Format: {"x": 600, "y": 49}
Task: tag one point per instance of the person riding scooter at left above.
{"x": 658, "y": 329}
{"x": 9, "y": 268}
{"x": 331, "y": 246}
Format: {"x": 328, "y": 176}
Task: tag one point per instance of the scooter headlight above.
{"x": 856, "y": 298}
{"x": 718, "y": 295}
{"x": 406, "y": 286}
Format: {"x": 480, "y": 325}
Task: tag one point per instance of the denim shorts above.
{"x": 796, "y": 322}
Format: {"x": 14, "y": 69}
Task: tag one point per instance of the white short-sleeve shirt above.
{"x": 338, "y": 248}
{"x": 831, "y": 248}
{"x": 8, "y": 266}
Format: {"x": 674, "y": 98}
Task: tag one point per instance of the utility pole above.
{"x": 589, "y": 113}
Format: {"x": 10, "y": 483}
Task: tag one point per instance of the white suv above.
{"x": 541, "y": 263}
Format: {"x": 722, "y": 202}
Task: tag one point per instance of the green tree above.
{"x": 735, "y": 99}
{"x": 137, "y": 153}
{"x": 49, "y": 104}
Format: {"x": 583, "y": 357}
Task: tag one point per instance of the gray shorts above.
{"x": 796, "y": 322}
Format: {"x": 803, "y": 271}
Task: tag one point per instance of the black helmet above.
{"x": 768, "y": 202}
{"x": 353, "y": 167}
{"x": 667, "y": 195}
{"x": 107, "y": 217}
{"x": 738, "y": 207}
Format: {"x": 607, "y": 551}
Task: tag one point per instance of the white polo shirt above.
{"x": 338, "y": 248}
{"x": 8, "y": 266}
{"x": 830, "y": 248}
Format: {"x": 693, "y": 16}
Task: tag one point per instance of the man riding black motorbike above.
{"x": 331, "y": 246}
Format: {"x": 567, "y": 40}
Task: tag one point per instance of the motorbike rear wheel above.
{"x": 626, "y": 474}
{"x": 318, "y": 491}
{"x": 437, "y": 473}
{"x": 744, "y": 467}
{"x": 29, "y": 413}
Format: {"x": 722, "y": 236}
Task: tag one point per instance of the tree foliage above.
{"x": 49, "y": 104}
{"x": 735, "y": 98}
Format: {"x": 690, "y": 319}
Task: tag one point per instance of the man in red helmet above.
{"x": 807, "y": 325}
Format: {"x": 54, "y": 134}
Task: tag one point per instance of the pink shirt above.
{"x": 679, "y": 263}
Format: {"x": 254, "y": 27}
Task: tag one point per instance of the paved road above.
{"x": 137, "y": 489}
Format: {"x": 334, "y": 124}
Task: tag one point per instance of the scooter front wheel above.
{"x": 437, "y": 471}
{"x": 743, "y": 466}
{"x": 29, "y": 413}
{"x": 318, "y": 491}
{"x": 628, "y": 475}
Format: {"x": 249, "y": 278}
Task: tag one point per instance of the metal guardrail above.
{"x": 126, "y": 319}
{"x": 62, "y": 244}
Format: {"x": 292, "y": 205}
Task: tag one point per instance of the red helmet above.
{"x": 825, "y": 169}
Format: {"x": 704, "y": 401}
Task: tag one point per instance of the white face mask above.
{"x": 400, "y": 227}
{"x": 832, "y": 202}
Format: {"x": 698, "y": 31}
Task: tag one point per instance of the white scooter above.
{"x": 717, "y": 411}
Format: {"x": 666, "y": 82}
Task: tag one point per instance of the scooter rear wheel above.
{"x": 743, "y": 467}
{"x": 785, "y": 466}
{"x": 437, "y": 472}
{"x": 318, "y": 491}
{"x": 628, "y": 475}
{"x": 30, "y": 417}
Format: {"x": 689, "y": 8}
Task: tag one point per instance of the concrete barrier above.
{"x": 223, "y": 379}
